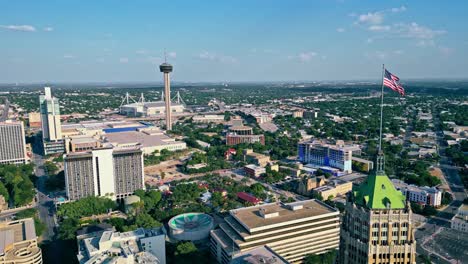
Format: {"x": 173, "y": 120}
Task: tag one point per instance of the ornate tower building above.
{"x": 377, "y": 225}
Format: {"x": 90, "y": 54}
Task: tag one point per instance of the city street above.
{"x": 45, "y": 205}
{"x": 426, "y": 234}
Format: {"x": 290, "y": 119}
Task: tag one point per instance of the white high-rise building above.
{"x": 104, "y": 172}
{"x": 50, "y": 122}
{"x": 12, "y": 143}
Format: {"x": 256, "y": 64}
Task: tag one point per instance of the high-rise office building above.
{"x": 104, "y": 172}
{"x": 50, "y": 122}
{"x": 291, "y": 230}
{"x": 166, "y": 68}
{"x": 377, "y": 224}
{"x": 12, "y": 143}
{"x": 19, "y": 242}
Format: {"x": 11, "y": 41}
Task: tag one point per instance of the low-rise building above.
{"x": 81, "y": 143}
{"x": 365, "y": 165}
{"x": 292, "y": 230}
{"x": 291, "y": 171}
{"x": 143, "y": 246}
{"x": 256, "y": 158}
{"x": 423, "y": 195}
{"x": 253, "y": 170}
{"x": 19, "y": 242}
{"x": 34, "y": 119}
{"x": 208, "y": 119}
{"x": 247, "y": 197}
{"x": 147, "y": 139}
{"x": 232, "y": 139}
{"x": 334, "y": 188}
{"x": 298, "y": 114}
{"x": 460, "y": 220}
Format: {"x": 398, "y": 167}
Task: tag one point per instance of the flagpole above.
{"x": 381, "y": 109}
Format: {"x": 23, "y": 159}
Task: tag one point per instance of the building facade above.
{"x": 292, "y": 230}
{"x": 377, "y": 224}
{"x": 50, "y": 122}
{"x": 423, "y": 195}
{"x": 460, "y": 220}
{"x": 12, "y": 143}
{"x": 19, "y": 242}
{"x": 104, "y": 172}
{"x": 322, "y": 154}
{"x": 233, "y": 139}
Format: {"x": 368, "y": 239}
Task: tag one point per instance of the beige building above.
{"x": 334, "y": 188}
{"x": 18, "y": 243}
{"x": 257, "y": 158}
{"x": 292, "y": 230}
{"x": 307, "y": 184}
{"x": 34, "y": 119}
{"x": 147, "y": 139}
{"x": 298, "y": 113}
{"x": 377, "y": 224}
{"x": 208, "y": 119}
{"x": 81, "y": 143}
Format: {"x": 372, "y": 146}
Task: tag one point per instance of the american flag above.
{"x": 393, "y": 82}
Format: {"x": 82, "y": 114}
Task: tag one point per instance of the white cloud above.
{"x": 379, "y": 28}
{"x": 172, "y": 54}
{"x": 304, "y": 56}
{"x": 414, "y": 30}
{"x": 69, "y": 56}
{"x": 382, "y": 55}
{"x": 48, "y": 29}
{"x": 123, "y": 60}
{"x": 205, "y": 55}
{"x": 425, "y": 43}
{"x": 141, "y": 51}
{"x": 340, "y": 30}
{"x": 398, "y": 9}
{"x": 25, "y": 28}
{"x": 371, "y": 18}
{"x": 370, "y": 40}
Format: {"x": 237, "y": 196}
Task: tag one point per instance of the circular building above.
{"x": 190, "y": 226}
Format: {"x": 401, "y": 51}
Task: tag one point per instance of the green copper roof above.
{"x": 376, "y": 191}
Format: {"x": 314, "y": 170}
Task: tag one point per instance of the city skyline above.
{"x": 243, "y": 42}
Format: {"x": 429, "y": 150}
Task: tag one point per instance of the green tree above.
{"x": 4, "y": 192}
{"x": 184, "y": 248}
{"x": 146, "y": 221}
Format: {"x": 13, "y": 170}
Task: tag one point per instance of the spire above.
{"x": 380, "y": 162}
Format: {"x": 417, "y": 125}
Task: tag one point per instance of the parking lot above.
{"x": 451, "y": 244}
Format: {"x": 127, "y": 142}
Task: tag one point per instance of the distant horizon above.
{"x": 174, "y": 82}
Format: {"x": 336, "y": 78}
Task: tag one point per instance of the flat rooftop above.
{"x": 258, "y": 255}
{"x": 16, "y": 231}
{"x": 142, "y": 138}
{"x": 251, "y": 218}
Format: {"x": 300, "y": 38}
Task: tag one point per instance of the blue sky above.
{"x": 264, "y": 40}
